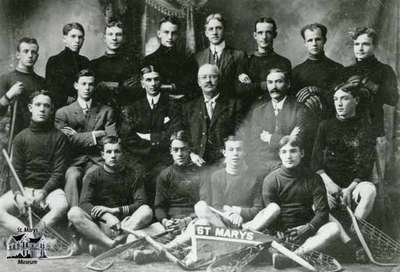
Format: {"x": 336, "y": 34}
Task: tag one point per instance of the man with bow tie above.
{"x": 147, "y": 125}
{"x": 85, "y": 122}
{"x": 271, "y": 120}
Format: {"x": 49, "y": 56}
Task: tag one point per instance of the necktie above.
{"x": 152, "y": 104}
{"x": 210, "y": 108}
{"x": 276, "y": 112}
{"x": 86, "y": 110}
{"x": 215, "y": 57}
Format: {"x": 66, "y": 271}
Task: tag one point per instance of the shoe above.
{"x": 147, "y": 256}
{"x": 95, "y": 250}
{"x": 280, "y": 261}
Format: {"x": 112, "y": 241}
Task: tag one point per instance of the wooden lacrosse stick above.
{"x": 19, "y": 184}
{"x": 274, "y": 244}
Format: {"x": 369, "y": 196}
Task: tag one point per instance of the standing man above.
{"x": 253, "y": 84}
{"x": 271, "y": 120}
{"x": 295, "y": 204}
{"x": 85, "y": 122}
{"x": 313, "y": 79}
{"x": 211, "y": 118}
{"x": 230, "y": 62}
{"x": 380, "y": 81}
{"x": 177, "y": 69}
{"x": 114, "y": 68}
{"x": 344, "y": 153}
{"x": 40, "y": 159}
{"x": 19, "y": 84}
{"x": 61, "y": 69}
{"x": 147, "y": 126}
{"x": 110, "y": 194}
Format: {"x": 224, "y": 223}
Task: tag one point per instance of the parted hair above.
{"x": 314, "y": 26}
{"x": 266, "y": 20}
{"x": 293, "y": 141}
{"x": 84, "y": 73}
{"x": 26, "y": 40}
{"x": 180, "y": 135}
{"x": 215, "y": 16}
{"x": 232, "y": 138}
{"x": 365, "y": 30}
{"x": 113, "y": 23}
{"x": 40, "y": 92}
{"x": 110, "y": 140}
{"x": 75, "y": 25}
{"x": 147, "y": 69}
{"x": 172, "y": 19}
{"x": 279, "y": 70}
{"x": 348, "y": 87}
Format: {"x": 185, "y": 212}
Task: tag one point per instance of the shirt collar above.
{"x": 278, "y": 105}
{"x": 219, "y": 48}
{"x": 154, "y": 98}
{"x": 206, "y": 100}
{"x": 83, "y": 104}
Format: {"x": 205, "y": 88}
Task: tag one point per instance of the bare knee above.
{"x": 367, "y": 192}
{"x": 146, "y": 213}
{"x": 201, "y": 209}
{"x": 75, "y": 215}
{"x": 273, "y": 209}
{"x": 331, "y": 230}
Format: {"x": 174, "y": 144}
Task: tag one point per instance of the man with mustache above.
{"x": 147, "y": 126}
{"x": 271, "y": 120}
{"x": 85, "y": 122}
{"x": 21, "y": 83}
{"x": 230, "y": 62}
{"x": 177, "y": 69}
{"x": 62, "y": 68}
{"x": 114, "y": 68}
{"x": 253, "y": 84}
{"x": 314, "y": 78}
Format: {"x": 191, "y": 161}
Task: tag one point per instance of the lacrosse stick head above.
{"x": 380, "y": 248}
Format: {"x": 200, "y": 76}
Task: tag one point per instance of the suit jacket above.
{"x": 100, "y": 117}
{"x": 291, "y": 115}
{"x": 160, "y": 122}
{"x": 207, "y": 136}
{"x": 232, "y": 63}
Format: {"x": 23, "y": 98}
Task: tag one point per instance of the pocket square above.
{"x": 166, "y": 119}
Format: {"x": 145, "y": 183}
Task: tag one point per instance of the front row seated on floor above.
{"x": 112, "y": 195}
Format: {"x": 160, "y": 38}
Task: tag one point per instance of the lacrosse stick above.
{"x": 19, "y": 184}
{"x": 159, "y": 247}
{"x": 381, "y": 249}
{"x": 274, "y": 244}
{"x": 12, "y": 128}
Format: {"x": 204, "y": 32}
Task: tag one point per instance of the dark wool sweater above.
{"x": 124, "y": 188}
{"x": 345, "y": 149}
{"x": 243, "y": 190}
{"x": 177, "y": 192}
{"x": 32, "y": 82}
{"x": 321, "y": 73}
{"x": 40, "y": 157}
{"x": 296, "y": 191}
{"x": 383, "y": 75}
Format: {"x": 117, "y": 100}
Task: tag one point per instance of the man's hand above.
{"x": 68, "y": 131}
{"x": 295, "y": 132}
{"x": 144, "y": 136}
{"x": 265, "y": 136}
{"x": 21, "y": 202}
{"x": 244, "y": 78}
{"x": 98, "y": 211}
{"x": 299, "y": 234}
{"x": 306, "y": 92}
{"x": 15, "y": 90}
{"x": 99, "y": 134}
{"x": 196, "y": 159}
{"x": 235, "y": 219}
{"x": 167, "y": 223}
{"x": 346, "y": 196}
{"x": 232, "y": 209}
{"x": 314, "y": 104}
{"x": 370, "y": 85}
{"x": 38, "y": 198}
{"x": 355, "y": 80}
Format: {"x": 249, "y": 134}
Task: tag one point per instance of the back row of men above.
{"x": 94, "y": 105}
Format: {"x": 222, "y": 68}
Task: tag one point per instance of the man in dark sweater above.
{"x": 176, "y": 68}
{"x": 19, "y": 84}
{"x": 114, "y": 68}
{"x": 314, "y": 78}
{"x": 380, "y": 81}
{"x": 344, "y": 154}
{"x": 61, "y": 69}
{"x": 39, "y": 159}
{"x": 111, "y": 195}
{"x": 178, "y": 186}
{"x": 253, "y": 84}
{"x": 295, "y": 203}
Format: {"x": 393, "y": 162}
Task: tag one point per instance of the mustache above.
{"x": 275, "y": 90}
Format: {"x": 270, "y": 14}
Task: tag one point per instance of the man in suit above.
{"x": 147, "y": 126}
{"x": 85, "y": 122}
{"x": 176, "y": 68}
{"x": 271, "y": 120}
{"x": 230, "y": 62}
{"x": 210, "y": 118}
{"x": 62, "y": 68}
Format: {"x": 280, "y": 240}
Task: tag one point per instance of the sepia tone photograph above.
{"x": 199, "y": 135}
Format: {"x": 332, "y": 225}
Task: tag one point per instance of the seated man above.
{"x": 39, "y": 159}
{"x": 178, "y": 186}
{"x": 110, "y": 193}
{"x": 85, "y": 122}
{"x": 234, "y": 190}
{"x": 344, "y": 154}
{"x": 295, "y": 203}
